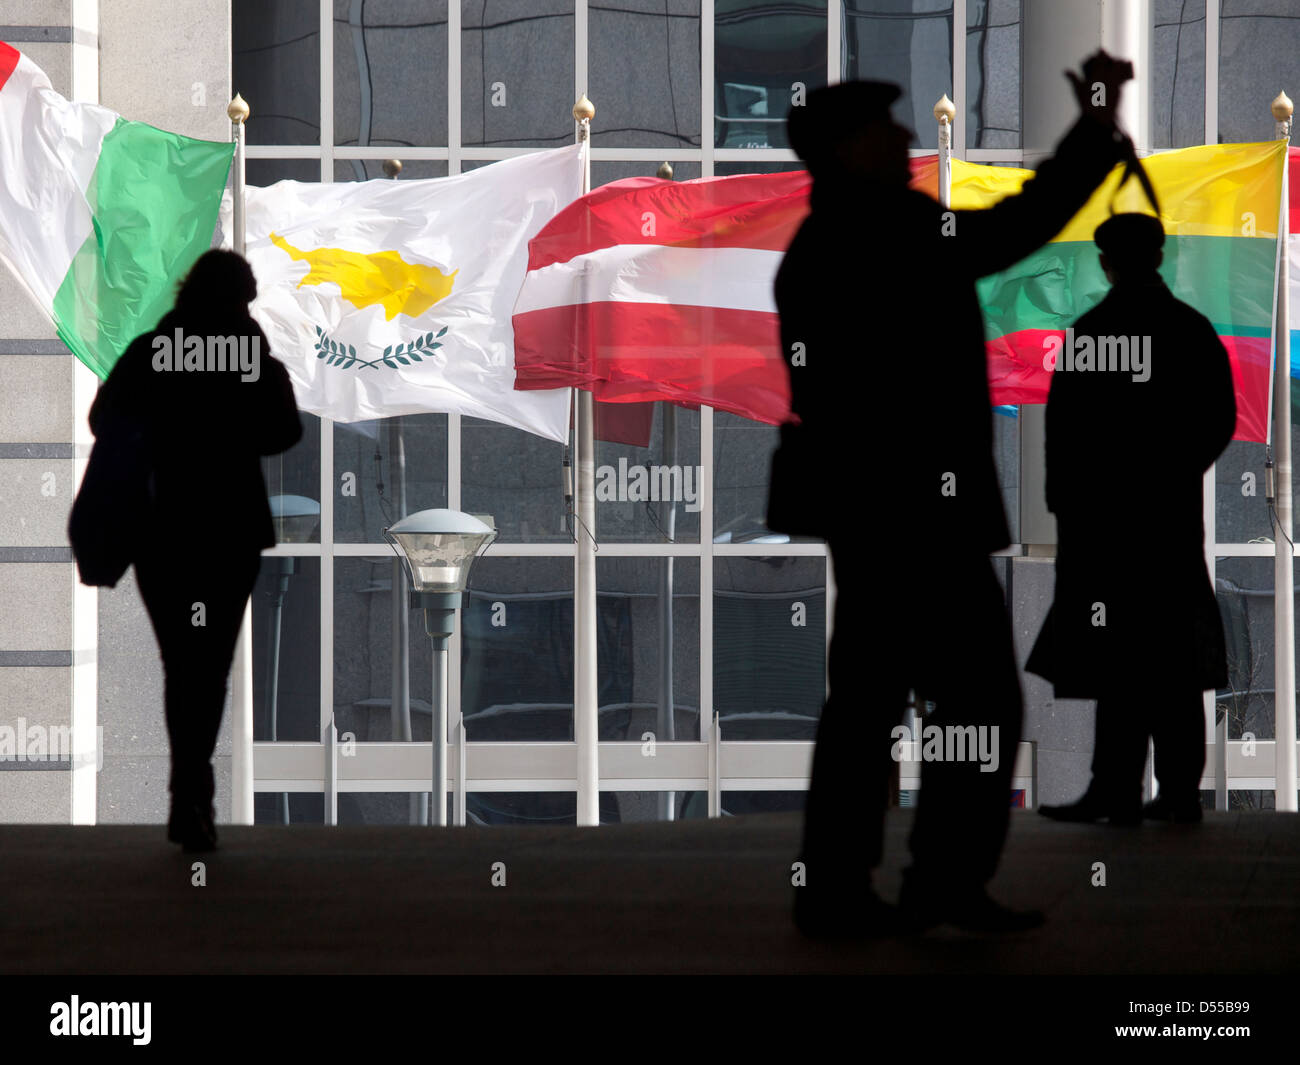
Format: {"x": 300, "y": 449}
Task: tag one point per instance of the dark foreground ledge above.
{"x": 691, "y": 897}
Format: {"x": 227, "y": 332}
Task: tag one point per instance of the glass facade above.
{"x": 695, "y": 597}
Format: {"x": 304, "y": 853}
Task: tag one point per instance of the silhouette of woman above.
{"x": 211, "y": 400}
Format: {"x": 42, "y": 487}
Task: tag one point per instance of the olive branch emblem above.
{"x": 336, "y": 353}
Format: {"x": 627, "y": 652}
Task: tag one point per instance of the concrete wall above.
{"x": 167, "y": 64}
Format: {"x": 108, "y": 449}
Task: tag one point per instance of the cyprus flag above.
{"x": 388, "y": 297}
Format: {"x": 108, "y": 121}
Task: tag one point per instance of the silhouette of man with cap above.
{"x": 884, "y": 345}
{"x": 1127, "y": 446}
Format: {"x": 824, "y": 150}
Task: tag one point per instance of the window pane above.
{"x": 363, "y": 656}
{"x": 259, "y": 173}
{"x": 604, "y": 171}
{"x": 641, "y": 807}
{"x": 1178, "y": 74}
{"x": 765, "y": 51}
{"x": 525, "y": 808}
{"x": 1240, "y": 508}
{"x": 275, "y": 56}
{"x": 286, "y": 650}
{"x": 644, "y": 58}
{"x": 367, "y": 169}
{"x": 649, "y": 493}
{"x": 642, "y": 689}
{"x": 390, "y": 72}
{"x": 296, "y": 472}
{"x": 516, "y": 81}
{"x": 386, "y": 469}
{"x": 1006, "y": 459}
{"x": 769, "y": 646}
{"x": 742, "y": 467}
{"x": 516, "y": 477}
{"x": 1257, "y": 57}
{"x": 517, "y": 651}
{"x": 1244, "y": 589}
{"x": 908, "y": 42}
{"x": 992, "y": 74}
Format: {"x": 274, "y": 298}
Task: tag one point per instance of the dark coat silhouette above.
{"x": 208, "y": 430}
{"x": 208, "y": 517}
{"x": 878, "y": 287}
{"x": 1125, "y": 459}
{"x": 884, "y": 303}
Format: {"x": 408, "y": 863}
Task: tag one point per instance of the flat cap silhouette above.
{"x": 836, "y": 112}
{"x": 1131, "y": 233}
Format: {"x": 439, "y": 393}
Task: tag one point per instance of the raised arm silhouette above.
{"x": 878, "y": 291}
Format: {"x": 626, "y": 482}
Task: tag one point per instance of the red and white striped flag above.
{"x": 659, "y": 290}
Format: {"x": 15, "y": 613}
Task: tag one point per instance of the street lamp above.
{"x": 438, "y": 548}
{"x": 295, "y": 519}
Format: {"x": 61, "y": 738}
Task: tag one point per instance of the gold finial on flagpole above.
{"x": 1282, "y": 107}
{"x": 584, "y": 109}
{"x": 665, "y": 171}
{"x": 238, "y": 109}
{"x": 392, "y": 167}
{"x": 945, "y": 110}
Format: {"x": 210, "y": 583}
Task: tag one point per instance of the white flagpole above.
{"x": 944, "y": 111}
{"x": 585, "y": 705}
{"x": 241, "y": 673}
{"x": 1284, "y": 557}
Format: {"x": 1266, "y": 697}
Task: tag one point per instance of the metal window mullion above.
{"x": 707, "y": 82}
{"x": 959, "y": 77}
{"x": 454, "y": 155}
{"x": 327, "y": 595}
{"x": 834, "y": 34}
{"x": 706, "y": 576}
{"x": 1212, "y": 71}
{"x": 326, "y": 90}
{"x": 454, "y": 707}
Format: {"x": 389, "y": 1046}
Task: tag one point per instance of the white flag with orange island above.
{"x": 388, "y": 297}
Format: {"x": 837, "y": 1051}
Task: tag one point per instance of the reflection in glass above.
{"x": 390, "y": 74}
{"x": 1178, "y": 73}
{"x": 765, "y": 53}
{"x": 644, "y": 58}
{"x": 649, "y": 493}
{"x": 286, "y": 650}
{"x": 644, "y": 807}
{"x": 603, "y": 171}
{"x": 385, "y": 469}
{"x": 367, "y": 169}
{"x": 992, "y": 74}
{"x": 511, "y": 90}
{"x": 908, "y": 42}
{"x": 296, "y": 472}
{"x": 516, "y": 477}
{"x": 649, "y": 662}
{"x": 1240, "y": 508}
{"x": 1257, "y": 56}
{"x": 769, "y": 646}
{"x": 275, "y": 57}
{"x": 1244, "y": 589}
{"x": 517, "y": 650}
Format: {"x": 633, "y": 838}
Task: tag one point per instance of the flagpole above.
{"x": 585, "y": 705}
{"x": 1284, "y": 554}
{"x": 944, "y": 112}
{"x": 241, "y": 680}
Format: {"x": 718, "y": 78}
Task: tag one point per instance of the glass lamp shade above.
{"x": 295, "y": 518}
{"x": 439, "y": 547}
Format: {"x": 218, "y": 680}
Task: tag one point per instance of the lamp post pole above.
{"x": 439, "y": 619}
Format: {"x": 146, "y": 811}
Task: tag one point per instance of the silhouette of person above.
{"x": 884, "y": 344}
{"x": 1139, "y": 631}
{"x": 210, "y": 517}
